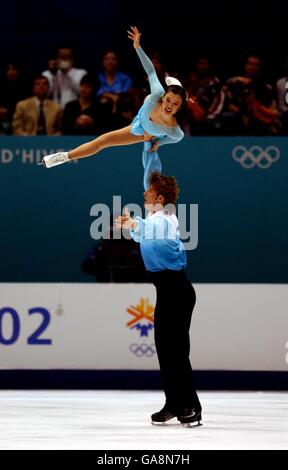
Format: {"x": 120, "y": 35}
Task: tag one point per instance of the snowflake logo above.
{"x": 143, "y": 311}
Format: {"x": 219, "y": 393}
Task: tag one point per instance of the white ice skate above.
{"x": 55, "y": 159}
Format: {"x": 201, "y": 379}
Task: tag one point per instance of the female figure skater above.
{"x": 155, "y": 124}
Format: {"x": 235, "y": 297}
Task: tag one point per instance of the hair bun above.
{"x": 172, "y": 81}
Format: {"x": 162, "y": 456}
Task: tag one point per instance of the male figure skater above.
{"x": 165, "y": 259}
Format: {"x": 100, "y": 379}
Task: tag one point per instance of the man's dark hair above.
{"x": 165, "y": 186}
{"x": 88, "y": 80}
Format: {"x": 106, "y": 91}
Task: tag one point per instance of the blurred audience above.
{"x": 249, "y": 106}
{"x": 13, "y": 88}
{"x": 245, "y": 104}
{"x": 37, "y": 115}
{"x": 282, "y": 100}
{"x": 64, "y": 79}
{"x": 207, "y": 98}
{"x": 86, "y": 115}
{"x": 116, "y": 91}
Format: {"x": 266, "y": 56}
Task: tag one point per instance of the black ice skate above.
{"x": 190, "y": 416}
{"x": 162, "y": 416}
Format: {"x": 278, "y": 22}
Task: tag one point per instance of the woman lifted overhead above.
{"x": 156, "y": 124}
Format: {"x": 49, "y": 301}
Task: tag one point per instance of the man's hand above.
{"x": 154, "y": 147}
{"x": 147, "y": 137}
{"x": 125, "y": 221}
{"x": 135, "y": 36}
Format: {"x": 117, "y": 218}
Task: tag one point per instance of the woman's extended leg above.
{"x": 119, "y": 137}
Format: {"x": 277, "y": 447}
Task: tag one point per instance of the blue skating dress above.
{"x": 142, "y": 122}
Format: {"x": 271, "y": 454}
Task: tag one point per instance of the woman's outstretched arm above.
{"x": 155, "y": 85}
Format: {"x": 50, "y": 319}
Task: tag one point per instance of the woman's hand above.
{"x": 135, "y": 36}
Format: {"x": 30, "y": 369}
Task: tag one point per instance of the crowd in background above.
{"x": 67, "y": 100}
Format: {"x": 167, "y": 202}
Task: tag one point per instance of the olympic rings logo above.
{"x": 263, "y": 158}
{"x": 142, "y": 349}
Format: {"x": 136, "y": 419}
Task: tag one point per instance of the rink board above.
{"x": 235, "y": 327}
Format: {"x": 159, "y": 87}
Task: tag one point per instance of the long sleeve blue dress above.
{"x": 142, "y": 122}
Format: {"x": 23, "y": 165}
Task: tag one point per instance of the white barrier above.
{"x": 110, "y": 326}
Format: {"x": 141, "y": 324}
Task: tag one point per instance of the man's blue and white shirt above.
{"x": 160, "y": 243}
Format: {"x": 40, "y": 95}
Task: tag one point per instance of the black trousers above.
{"x": 172, "y": 318}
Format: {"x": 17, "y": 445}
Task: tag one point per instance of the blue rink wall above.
{"x": 240, "y": 188}
{"x": 242, "y": 206}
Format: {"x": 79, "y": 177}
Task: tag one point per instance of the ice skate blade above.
{"x": 42, "y": 164}
{"x": 164, "y": 423}
{"x": 191, "y": 425}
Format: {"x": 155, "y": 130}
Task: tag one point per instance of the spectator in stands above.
{"x": 282, "y": 100}
{"x": 249, "y": 107}
{"x": 13, "y": 88}
{"x": 125, "y": 109}
{"x": 207, "y": 98}
{"x": 263, "y": 116}
{"x": 64, "y": 78}
{"x": 37, "y": 115}
{"x": 86, "y": 115}
{"x": 115, "y": 86}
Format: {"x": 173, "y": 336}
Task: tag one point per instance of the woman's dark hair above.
{"x": 181, "y": 115}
